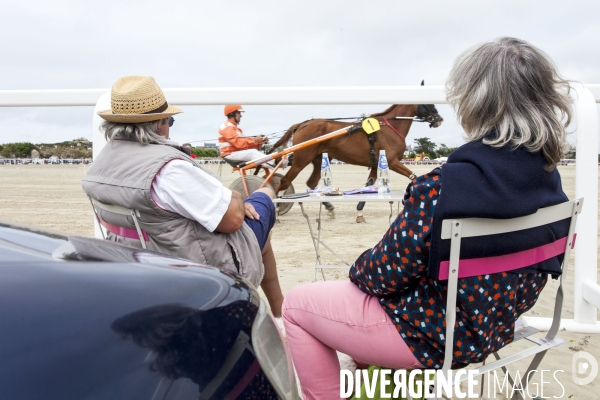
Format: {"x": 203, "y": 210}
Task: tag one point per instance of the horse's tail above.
{"x": 287, "y": 137}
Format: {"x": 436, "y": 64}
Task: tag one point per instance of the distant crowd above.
{"x": 25, "y": 161}
{"x": 216, "y": 160}
{"x": 58, "y": 161}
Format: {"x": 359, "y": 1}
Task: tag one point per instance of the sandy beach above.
{"x": 50, "y": 196}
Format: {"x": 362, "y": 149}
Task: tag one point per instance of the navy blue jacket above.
{"x": 487, "y": 182}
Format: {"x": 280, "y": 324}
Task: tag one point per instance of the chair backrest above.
{"x": 124, "y": 231}
{"x": 457, "y": 229}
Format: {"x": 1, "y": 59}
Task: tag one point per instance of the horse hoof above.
{"x": 360, "y": 219}
{"x": 331, "y": 214}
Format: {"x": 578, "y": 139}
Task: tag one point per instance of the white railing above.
{"x": 254, "y": 96}
{"x": 586, "y": 288}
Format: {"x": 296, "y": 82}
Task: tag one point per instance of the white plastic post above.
{"x": 585, "y": 288}
{"x": 98, "y": 141}
{"x": 586, "y": 186}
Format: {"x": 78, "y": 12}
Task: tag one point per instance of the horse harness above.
{"x": 373, "y": 138}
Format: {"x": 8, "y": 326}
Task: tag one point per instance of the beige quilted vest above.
{"x": 122, "y": 174}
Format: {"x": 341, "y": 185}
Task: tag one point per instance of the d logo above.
{"x": 584, "y": 368}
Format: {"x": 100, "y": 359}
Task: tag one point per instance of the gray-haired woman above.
{"x": 514, "y": 108}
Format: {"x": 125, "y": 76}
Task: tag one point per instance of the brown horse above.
{"x": 355, "y": 148}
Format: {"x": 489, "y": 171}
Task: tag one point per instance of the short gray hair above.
{"x": 144, "y": 133}
{"x": 511, "y": 87}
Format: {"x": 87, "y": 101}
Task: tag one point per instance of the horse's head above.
{"x": 428, "y": 113}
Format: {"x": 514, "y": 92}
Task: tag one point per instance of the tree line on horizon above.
{"x": 433, "y": 151}
{"x": 78, "y": 148}
{"x": 430, "y": 148}
{"x": 82, "y": 148}
{"x": 71, "y": 149}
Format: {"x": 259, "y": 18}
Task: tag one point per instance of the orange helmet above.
{"x": 232, "y": 108}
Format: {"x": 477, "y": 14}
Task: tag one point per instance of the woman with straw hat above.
{"x": 184, "y": 208}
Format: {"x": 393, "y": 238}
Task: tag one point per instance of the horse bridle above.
{"x": 432, "y": 115}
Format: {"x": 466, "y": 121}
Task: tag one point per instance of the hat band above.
{"x": 159, "y": 109}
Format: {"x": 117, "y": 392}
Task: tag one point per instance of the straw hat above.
{"x": 137, "y": 99}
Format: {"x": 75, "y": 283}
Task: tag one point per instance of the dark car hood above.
{"x": 63, "y": 322}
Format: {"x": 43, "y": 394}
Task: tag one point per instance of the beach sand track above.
{"x": 50, "y": 196}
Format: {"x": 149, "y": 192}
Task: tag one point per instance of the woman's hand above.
{"x": 251, "y": 212}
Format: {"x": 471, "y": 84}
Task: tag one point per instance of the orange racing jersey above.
{"x": 231, "y": 139}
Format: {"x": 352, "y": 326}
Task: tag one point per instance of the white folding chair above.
{"x": 457, "y": 229}
{"x": 124, "y": 231}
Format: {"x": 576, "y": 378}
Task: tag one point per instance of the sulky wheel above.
{"x": 252, "y": 183}
{"x": 282, "y": 207}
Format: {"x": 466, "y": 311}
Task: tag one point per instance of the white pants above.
{"x": 248, "y": 155}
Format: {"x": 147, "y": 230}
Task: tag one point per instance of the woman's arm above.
{"x": 397, "y": 262}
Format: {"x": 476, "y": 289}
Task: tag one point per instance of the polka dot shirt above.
{"x": 395, "y": 271}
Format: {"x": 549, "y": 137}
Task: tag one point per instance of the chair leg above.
{"x": 97, "y": 219}
{"x": 537, "y": 359}
{"x": 516, "y": 395}
{"x": 482, "y": 381}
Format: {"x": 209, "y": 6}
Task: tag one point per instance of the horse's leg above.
{"x": 396, "y": 166}
{"x": 313, "y": 179}
{"x": 361, "y": 205}
{"x": 295, "y": 169}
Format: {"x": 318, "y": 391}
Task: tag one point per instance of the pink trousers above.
{"x": 323, "y": 317}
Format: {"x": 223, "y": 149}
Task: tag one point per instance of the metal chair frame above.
{"x": 457, "y": 229}
{"x": 135, "y": 214}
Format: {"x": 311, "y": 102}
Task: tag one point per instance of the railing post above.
{"x": 586, "y": 186}
{"x": 98, "y": 141}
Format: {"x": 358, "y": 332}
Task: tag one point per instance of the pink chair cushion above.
{"x": 122, "y": 231}
{"x": 508, "y": 262}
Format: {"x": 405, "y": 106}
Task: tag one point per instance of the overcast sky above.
{"x": 64, "y": 44}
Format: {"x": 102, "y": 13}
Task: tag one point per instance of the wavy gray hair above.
{"x": 511, "y": 87}
{"x": 144, "y": 133}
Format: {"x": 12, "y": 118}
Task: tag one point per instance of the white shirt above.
{"x": 181, "y": 188}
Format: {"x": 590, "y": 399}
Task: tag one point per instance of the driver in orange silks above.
{"x": 233, "y": 144}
